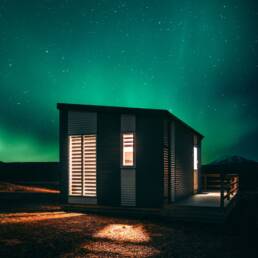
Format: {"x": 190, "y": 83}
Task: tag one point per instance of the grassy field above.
{"x": 67, "y": 234}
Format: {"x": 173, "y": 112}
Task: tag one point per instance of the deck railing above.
{"x": 226, "y": 184}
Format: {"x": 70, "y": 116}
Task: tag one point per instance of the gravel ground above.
{"x": 67, "y": 234}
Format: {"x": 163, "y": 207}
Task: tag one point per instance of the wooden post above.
{"x": 229, "y": 187}
{"x": 221, "y": 190}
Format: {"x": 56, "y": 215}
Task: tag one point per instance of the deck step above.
{"x": 127, "y": 211}
{"x": 168, "y": 212}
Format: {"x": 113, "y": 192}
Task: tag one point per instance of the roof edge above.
{"x": 67, "y": 106}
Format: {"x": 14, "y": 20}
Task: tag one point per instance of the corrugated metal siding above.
{"x": 128, "y": 175}
{"x": 165, "y": 161}
{"x": 184, "y": 161}
{"x": 149, "y": 160}
{"x": 108, "y": 159}
{"x": 128, "y": 123}
{"x": 195, "y": 140}
{"x": 172, "y": 162}
{"x": 128, "y": 193}
{"x": 165, "y": 154}
{"x": 80, "y": 200}
{"x": 82, "y": 122}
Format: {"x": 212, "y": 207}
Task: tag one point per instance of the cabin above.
{"x": 127, "y": 157}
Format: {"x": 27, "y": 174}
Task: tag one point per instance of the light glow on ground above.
{"x": 124, "y": 233}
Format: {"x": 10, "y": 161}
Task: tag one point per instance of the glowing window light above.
{"x": 195, "y": 158}
{"x": 128, "y": 149}
{"x": 82, "y": 165}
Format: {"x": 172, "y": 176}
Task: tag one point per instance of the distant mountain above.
{"x": 228, "y": 160}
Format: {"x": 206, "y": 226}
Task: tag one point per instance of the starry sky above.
{"x": 198, "y": 59}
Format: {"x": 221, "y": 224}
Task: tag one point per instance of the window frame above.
{"x": 122, "y": 150}
{"x": 83, "y": 167}
{"x": 195, "y": 157}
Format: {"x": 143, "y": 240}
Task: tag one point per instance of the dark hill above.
{"x": 29, "y": 171}
{"x": 246, "y": 169}
{"x": 227, "y": 160}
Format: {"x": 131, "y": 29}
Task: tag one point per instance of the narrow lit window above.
{"x": 128, "y": 149}
{"x": 195, "y": 158}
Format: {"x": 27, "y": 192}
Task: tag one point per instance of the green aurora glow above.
{"x": 197, "y": 59}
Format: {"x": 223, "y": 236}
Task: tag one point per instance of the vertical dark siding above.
{"x": 166, "y": 174}
{"x": 200, "y": 163}
{"x": 166, "y": 161}
{"x": 128, "y": 175}
{"x": 172, "y": 161}
{"x": 82, "y": 122}
{"x": 108, "y": 159}
{"x": 63, "y": 152}
{"x": 149, "y": 161}
{"x": 184, "y": 161}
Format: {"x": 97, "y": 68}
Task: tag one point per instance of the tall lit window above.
{"x": 195, "y": 158}
{"x": 128, "y": 149}
{"x": 82, "y": 165}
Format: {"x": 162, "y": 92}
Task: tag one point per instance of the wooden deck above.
{"x": 213, "y": 205}
{"x": 205, "y": 199}
{"x": 204, "y": 207}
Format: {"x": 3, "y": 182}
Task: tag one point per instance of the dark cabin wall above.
{"x": 199, "y": 141}
{"x": 184, "y": 161}
{"x": 63, "y": 152}
{"x": 166, "y": 160}
{"x": 108, "y": 158}
{"x": 151, "y": 137}
{"x": 149, "y": 160}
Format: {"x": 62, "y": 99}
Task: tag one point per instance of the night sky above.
{"x": 198, "y": 59}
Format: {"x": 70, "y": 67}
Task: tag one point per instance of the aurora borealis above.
{"x": 198, "y": 59}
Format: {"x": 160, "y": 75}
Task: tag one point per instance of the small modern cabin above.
{"x": 132, "y": 157}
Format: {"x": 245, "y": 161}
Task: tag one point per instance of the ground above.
{"x": 46, "y": 230}
{"x": 70, "y": 234}
{"x": 10, "y": 188}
